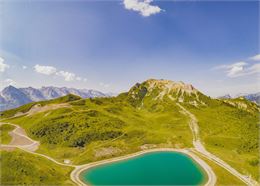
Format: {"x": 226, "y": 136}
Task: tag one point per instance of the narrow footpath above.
{"x": 199, "y": 147}
{"x": 22, "y": 141}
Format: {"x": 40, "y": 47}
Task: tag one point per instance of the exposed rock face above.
{"x": 11, "y": 97}
{"x": 243, "y": 104}
{"x": 168, "y": 87}
{"x": 165, "y": 89}
{"x": 33, "y": 93}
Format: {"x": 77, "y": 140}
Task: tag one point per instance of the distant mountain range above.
{"x": 12, "y": 97}
{"x": 251, "y": 97}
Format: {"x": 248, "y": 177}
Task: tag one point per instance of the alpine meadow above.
{"x": 129, "y": 93}
{"x": 150, "y": 115}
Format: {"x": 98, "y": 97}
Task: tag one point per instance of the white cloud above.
{"x": 3, "y": 66}
{"x": 142, "y": 6}
{"x": 85, "y": 79}
{"x": 50, "y": 70}
{"x": 254, "y": 69}
{"x": 255, "y": 58}
{"x": 235, "y": 69}
{"x": 24, "y": 67}
{"x": 46, "y": 70}
{"x": 8, "y": 82}
{"x": 68, "y": 76}
{"x": 240, "y": 69}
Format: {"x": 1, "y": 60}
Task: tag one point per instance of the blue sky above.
{"x": 109, "y": 46}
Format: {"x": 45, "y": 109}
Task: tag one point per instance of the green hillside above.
{"x": 103, "y": 123}
{"x": 5, "y": 138}
{"x": 147, "y": 116}
{"x": 21, "y": 168}
{"x": 232, "y": 134}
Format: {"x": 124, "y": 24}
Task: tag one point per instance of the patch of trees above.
{"x": 77, "y": 129}
{"x": 94, "y": 136}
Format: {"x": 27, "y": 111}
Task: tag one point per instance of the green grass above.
{"x": 232, "y": 134}
{"x": 21, "y": 168}
{"x": 223, "y": 176}
{"x": 12, "y": 112}
{"x": 5, "y": 138}
{"x": 131, "y": 120}
{"x": 104, "y": 122}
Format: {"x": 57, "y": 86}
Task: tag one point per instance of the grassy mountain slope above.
{"x": 232, "y": 134}
{"x": 105, "y": 123}
{"x": 146, "y": 116}
{"x": 228, "y": 128}
{"x": 21, "y": 168}
{"x": 223, "y": 176}
{"x": 5, "y": 138}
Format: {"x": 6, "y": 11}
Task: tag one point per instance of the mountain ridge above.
{"x": 254, "y": 97}
{"x": 153, "y": 90}
{"x": 12, "y": 97}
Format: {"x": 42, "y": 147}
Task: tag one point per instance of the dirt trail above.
{"x": 38, "y": 108}
{"x": 23, "y": 142}
{"x": 20, "y": 140}
{"x": 199, "y": 147}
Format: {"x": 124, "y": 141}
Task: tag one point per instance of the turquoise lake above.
{"x": 156, "y": 168}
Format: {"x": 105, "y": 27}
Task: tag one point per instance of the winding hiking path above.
{"x": 199, "y": 147}
{"x": 22, "y": 141}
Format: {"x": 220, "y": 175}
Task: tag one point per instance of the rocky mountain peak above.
{"x": 160, "y": 89}
{"x": 169, "y": 86}
{"x": 9, "y": 88}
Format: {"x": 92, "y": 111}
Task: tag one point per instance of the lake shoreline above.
{"x": 211, "y": 177}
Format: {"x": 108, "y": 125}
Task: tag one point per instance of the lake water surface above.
{"x": 155, "y": 168}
